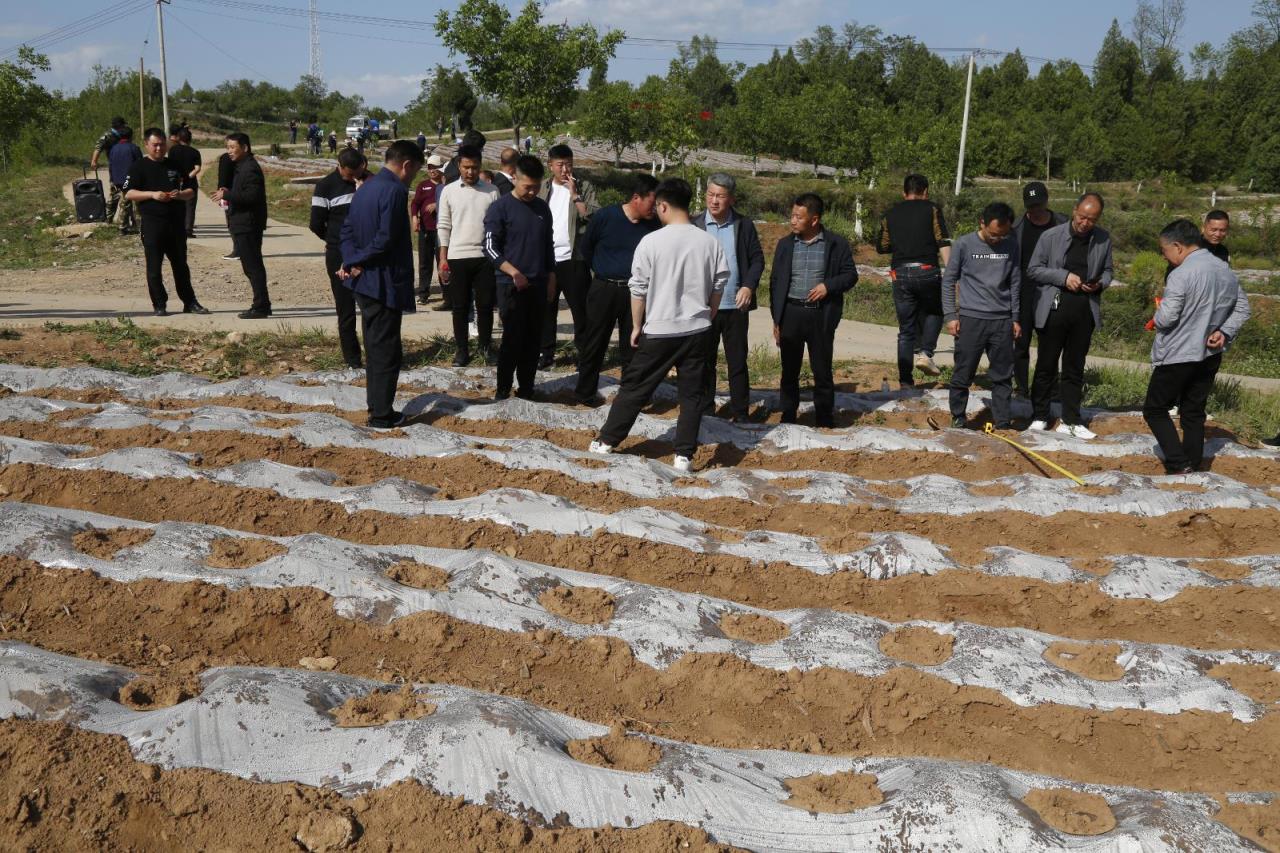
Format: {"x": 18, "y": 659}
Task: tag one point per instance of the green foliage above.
{"x": 610, "y": 116}
{"x": 28, "y": 108}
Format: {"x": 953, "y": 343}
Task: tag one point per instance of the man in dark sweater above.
{"x": 1028, "y": 231}
{"x": 607, "y": 247}
{"x": 915, "y": 233}
{"x": 329, "y": 207}
{"x": 1214, "y": 231}
{"x": 189, "y": 161}
{"x": 247, "y": 220}
{"x": 377, "y": 264}
{"x": 226, "y": 174}
{"x": 519, "y": 243}
{"x": 120, "y": 159}
{"x": 980, "y": 302}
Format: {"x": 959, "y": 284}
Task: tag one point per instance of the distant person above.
{"x": 247, "y": 221}
{"x": 463, "y": 266}
{"x": 1030, "y": 227}
{"x": 677, "y": 278}
{"x": 1214, "y": 231}
{"x": 188, "y": 159}
{"x": 472, "y": 139}
{"x": 528, "y": 144}
{"x": 120, "y": 159}
{"x": 106, "y": 140}
{"x": 980, "y": 300}
{"x": 329, "y": 208}
{"x": 439, "y": 128}
{"x": 377, "y": 264}
{"x": 914, "y": 232}
{"x": 1071, "y": 267}
{"x": 1200, "y": 315}
{"x": 608, "y": 248}
{"x": 160, "y": 187}
{"x": 226, "y": 174}
{"x": 741, "y": 243}
{"x": 395, "y": 128}
{"x": 333, "y": 142}
{"x": 422, "y": 217}
{"x": 293, "y": 131}
{"x": 504, "y": 179}
{"x": 314, "y": 137}
{"x": 812, "y": 270}
{"x": 422, "y": 142}
{"x": 519, "y": 243}
{"x": 571, "y": 202}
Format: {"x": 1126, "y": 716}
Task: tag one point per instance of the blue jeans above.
{"x": 917, "y": 299}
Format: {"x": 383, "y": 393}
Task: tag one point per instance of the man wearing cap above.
{"x": 422, "y": 215}
{"x": 1036, "y": 220}
{"x": 915, "y": 233}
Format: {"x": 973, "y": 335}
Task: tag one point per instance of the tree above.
{"x": 610, "y": 117}
{"x": 1156, "y": 24}
{"x": 531, "y": 67}
{"x": 309, "y": 96}
{"x": 1118, "y": 67}
{"x": 26, "y": 103}
{"x": 1268, "y": 13}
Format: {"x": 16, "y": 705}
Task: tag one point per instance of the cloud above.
{"x": 391, "y": 91}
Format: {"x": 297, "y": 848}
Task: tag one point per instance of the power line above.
{"x": 79, "y": 27}
{"x": 215, "y": 46}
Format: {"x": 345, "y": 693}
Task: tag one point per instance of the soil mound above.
{"x": 616, "y": 751}
{"x": 836, "y": 793}
{"x": 918, "y": 645}
{"x": 1222, "y": 569}
{"x": 1259, "y": 683}
{"x": 325, "y": 830}
{"x": 753, "y": 627}
{"x": 420, "y": 575}
{"x": 1099, "y": 566}
{"x": 586, "y": 605}
{"x": 1258, "y": 823}
{"x": 151, "y": 692}
{"x": 232, "y": 552}
{"x": 381, "y": 707}
{"x": 991, "y": 490}
{"x": 1096, "y": 661}
{"x": 104, "y": 544}
{"x": 1072, "y": 812}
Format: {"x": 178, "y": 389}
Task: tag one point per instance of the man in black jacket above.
{"x": 247, "y": 220}
{"x": 1037, "y": 219}
{"x": 812, "y": 269}
{"x": 741, "y": 243}
{"x": 329, "y": 207}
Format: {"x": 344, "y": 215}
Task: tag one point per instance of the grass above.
{"x": 31, "y": 206}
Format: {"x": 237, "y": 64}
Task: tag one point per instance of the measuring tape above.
{"x": 1063, "y": 471}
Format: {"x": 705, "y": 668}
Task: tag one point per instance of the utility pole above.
{"x": 164, "y": 72}
{"x": 964, "y": 126}
{"x": 142, "y": 103}
{"x": 315, "y": 42}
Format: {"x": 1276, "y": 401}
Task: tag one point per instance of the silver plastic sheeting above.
{"x": 275, "y": 726}
{"x": 659, "y": 624}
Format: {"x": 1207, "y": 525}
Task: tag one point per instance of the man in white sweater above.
{"x": 677, "y": 276}
{"x": 463, "y": 266}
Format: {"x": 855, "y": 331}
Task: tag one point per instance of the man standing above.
{"x": 1216, "y": 225}
{"x": 504, "y": 179}
{"x": 333, "y": 142}
{"x": 1030, "y": 228}
{"x": 984, "y": 277}
{"x": 105, "y": 141}
{"x": 247, "y": 220}
{"x": 377, "y": 263}
{"x": 741, "y": 244}
{"x": 422, "y": 216}
{"x": 160, "y": 187}
{"x": 226, "y": 174}
{"x": 914, "y": 232}
{"x": 463, "y": 266}
{"x": 608, "y": 248}
{"x": 120, "y": 159}
{"x": 293, "y": 131}
{"x": 1071, "y": 268}
{"x": 519, "y": 243}
{"x": 571, "y": 202}
{"x": 812, "y": 270}
{"x": 676, "y": 281}
{"x": 1201, "y": 313}
{"x": 329, "y": 208}
{"x": 422, "y": 142}
{"x": 189, "y": 161}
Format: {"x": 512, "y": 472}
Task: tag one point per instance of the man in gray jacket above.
{"x": 1199, "y": 316}
{"x": 1071, "y": 267}
{"x": 980, "y": 304}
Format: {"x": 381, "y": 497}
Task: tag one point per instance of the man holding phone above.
{"x": 572, "y": 202}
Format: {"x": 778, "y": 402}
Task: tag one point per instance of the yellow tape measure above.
{"x": 1063, "y": 471}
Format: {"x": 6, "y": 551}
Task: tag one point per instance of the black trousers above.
{"x": 427, "y": 246}
{"x": 471, "y": 278}
{"x": 572, "y": 279}
{"x": 608, "y": 306}
{"x": 1022, "y": 344}
{"x": 1186, "y": 386}
{"x": 191, "y": 214}
{"x": 160, "y": 240}
{"x": 248, "y": 248}
{"x": 653, "y": 359}
{"x": 383, "y": 355}
{"x": 345, "y": 302}
{"x": 730, "y": 326}
{"x": 804, "y": 327}
{"x": 521, "y": 312}
{"x": 917, "y": 300}
{"x": 995, "y": 339}
{"x": 1066, "y": 336}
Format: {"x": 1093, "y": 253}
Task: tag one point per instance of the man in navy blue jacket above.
{"x": 812, "y": 269}
{"x": 519, "y": 242}
{"x": 377, "y": 263}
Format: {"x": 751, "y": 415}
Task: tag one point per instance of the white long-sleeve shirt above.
{"x": 680, "y": 272}
{"x": 460, "y": 218}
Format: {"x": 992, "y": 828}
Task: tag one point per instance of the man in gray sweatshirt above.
{"x": 678, "y": 274}
{"x": 1199, "y": 316}
{"x": 980, "y": 304}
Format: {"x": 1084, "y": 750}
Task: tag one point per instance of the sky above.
{"x": 208, "y": 41}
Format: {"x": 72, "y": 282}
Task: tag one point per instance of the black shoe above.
{"x": 1272, "y": 442}
{"x": 502, "y": 394}
{"x": 546, "y": 360}
{"x": 825, "y": 423}
{"x": 255, "y": 314}
{"x": 423, "y": 300}
{"x": 524, "y": 393}
{"x": 1179, "y": 471}
{"x": 161, "y": 312}
{"x": 788, "y": 417}
{"x": 232, "y": 257}
{"x": 593, "y": 401}
{"x": 194, "y": 308}
{"x": 355, "y": 365}
{"x": 396, "y": 419}
{"x": 462, "y": 358}
{"x": 959, "y": 423}
{"x": 1003, "y": 425}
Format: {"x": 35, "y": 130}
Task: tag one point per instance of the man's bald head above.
{"x": 508, "y": 158}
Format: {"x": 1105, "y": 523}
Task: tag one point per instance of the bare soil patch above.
{"x": 420, "y": 575}
{"x": 586, "y": 605}
{"x": 617, "y": 751}
{"x": 1259, "y": 683}
{"x": 1258, "y": 823}
{"x": 149, "y": 692}
{"x": 233, "y": 552}
{"x": 105, "y": 544}
{"x": 1072, "y": 812}
{"x": 1096, "y": 661}
{"x": 918, "y": 645}
{"x": 381, "y": 707}
{"x": 753, "y": 627}
{"x": 835, "y": 793}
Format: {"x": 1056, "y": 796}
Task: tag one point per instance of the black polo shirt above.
{"x": 185, "y": 158}
{"x": 164, "y": 175}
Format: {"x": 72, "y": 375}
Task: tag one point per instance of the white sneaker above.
{"x": 1039, "y": 426}
{"x": 925, "y": 365}
{"x": 600, "y": 447}
{"x": 1077, "y": 431}
{"x": 683, "y": 464}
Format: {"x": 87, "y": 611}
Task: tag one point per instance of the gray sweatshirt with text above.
{"x": 984, "y": 280}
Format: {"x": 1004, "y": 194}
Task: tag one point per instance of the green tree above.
{"x": 27, "y": 104}
{"x": 609, "y": 117}
{"x": 668, "y": 124}
{"x": 531, "y": 67}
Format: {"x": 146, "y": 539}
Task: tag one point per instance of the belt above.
{"x": 616, "y": 282}
{"x": 801, "y": 303}
{"x": 915, "y": 266}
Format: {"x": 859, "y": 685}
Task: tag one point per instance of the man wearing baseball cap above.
{"x": 1036, "y": 220}
{"x": 422, "y": 214}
